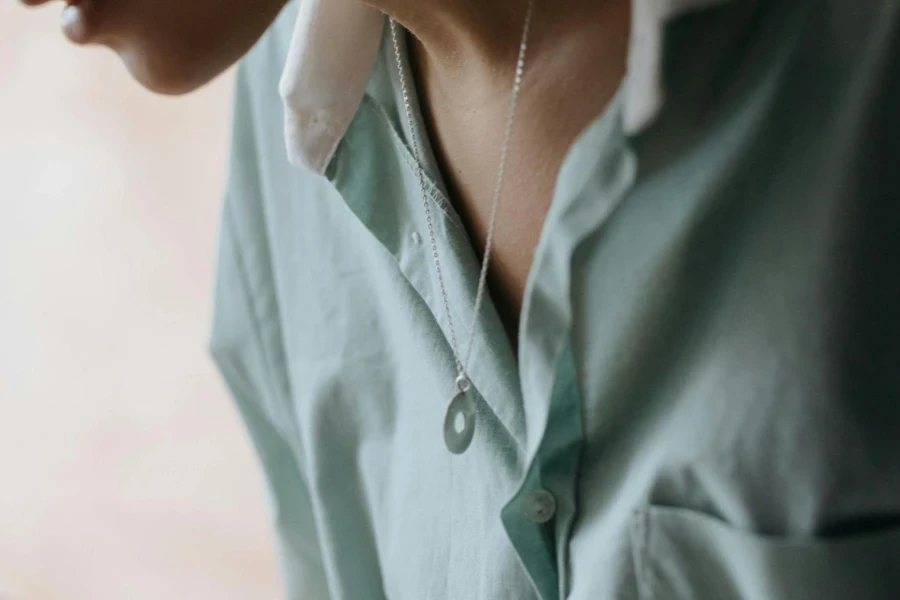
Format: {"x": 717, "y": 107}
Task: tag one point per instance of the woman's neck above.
{"x": 463, "y": 54}
{"x": 457, "y": 31}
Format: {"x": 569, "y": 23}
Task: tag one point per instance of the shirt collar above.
{"x": 335, "y": 43}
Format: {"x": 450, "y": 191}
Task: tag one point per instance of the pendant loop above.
{"x": 462, "y": 382}
{"x": 459, "y": 438}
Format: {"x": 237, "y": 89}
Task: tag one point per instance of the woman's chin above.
{"x": 170, "y": 47}
{"x": 169, "y": 78}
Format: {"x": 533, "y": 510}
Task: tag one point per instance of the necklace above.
{"x": 459, "y": 422}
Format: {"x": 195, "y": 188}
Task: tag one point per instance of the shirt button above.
{"x": 539, "y": 506}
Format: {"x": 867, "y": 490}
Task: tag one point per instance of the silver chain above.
{"x": 462, "y": 364}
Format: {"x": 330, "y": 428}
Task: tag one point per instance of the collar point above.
{"x": 311, "y": 138}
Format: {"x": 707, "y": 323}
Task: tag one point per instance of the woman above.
{"x": 572, "y": 299}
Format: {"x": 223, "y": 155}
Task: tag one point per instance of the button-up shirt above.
{"x": 705, "y": 403}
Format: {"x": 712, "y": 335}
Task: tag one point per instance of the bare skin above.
{"x": 464, "y": 62}
{"x": 170, "y": 46}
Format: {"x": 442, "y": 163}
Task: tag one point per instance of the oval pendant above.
{"x": 459, "y": 424}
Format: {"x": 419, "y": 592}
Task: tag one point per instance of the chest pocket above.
{"x": 684, "y": 555}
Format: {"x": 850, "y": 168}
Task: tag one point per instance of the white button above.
{"x": 540, "y": 506}
{"x": 416, "y": 238}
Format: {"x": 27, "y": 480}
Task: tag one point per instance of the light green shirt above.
{"x": 706, "y": 397}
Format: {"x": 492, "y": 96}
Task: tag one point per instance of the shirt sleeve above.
{"x": 238, "y": 351}
{"x": 246, "y": 344}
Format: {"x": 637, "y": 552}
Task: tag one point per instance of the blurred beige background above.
{"x": 124, "y": 471}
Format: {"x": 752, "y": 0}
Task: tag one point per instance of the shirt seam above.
{"x": 640, "y": 541}
{"x": 434, "y": 192}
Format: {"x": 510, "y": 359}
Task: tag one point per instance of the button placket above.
{"x": 525, "y": 518}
